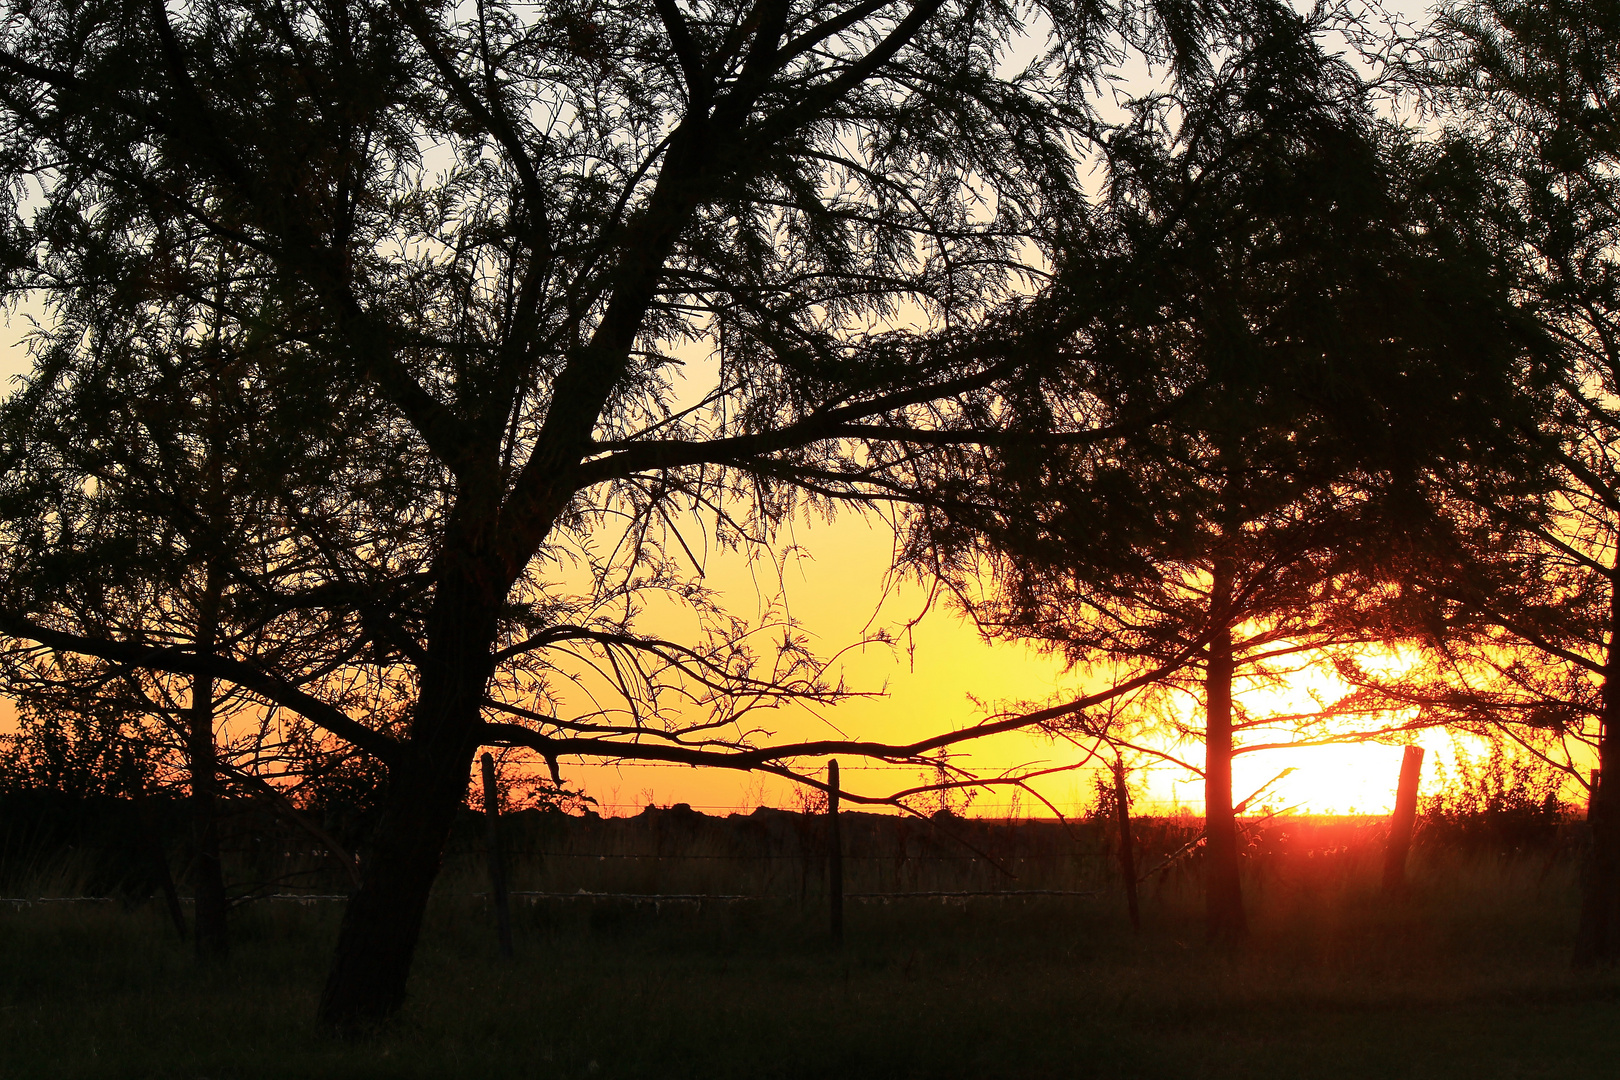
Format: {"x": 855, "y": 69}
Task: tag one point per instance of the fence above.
{"x": 660, "y": 854}
{"x": 786, "y": 855}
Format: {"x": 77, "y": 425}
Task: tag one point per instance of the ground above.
{"x": 1467, "y": 977}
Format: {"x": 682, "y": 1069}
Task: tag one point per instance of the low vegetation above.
{"x": 1466, "y": 976}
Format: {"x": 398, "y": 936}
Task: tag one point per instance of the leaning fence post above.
{"x": 497, "y": 865}
{"x": 1127, "y": 857}
{"x": 835, "y": 856}
{"x": 1403, "y": 821}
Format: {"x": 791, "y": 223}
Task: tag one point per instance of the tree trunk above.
{"x": 384, "y": 918}
{"x": 1597, "y": 939}
{"x": 1223, "y": 890}
{"x": 202, "y": 758}
{"x": 425, "y": 788}
{"x": 492, "y": 536}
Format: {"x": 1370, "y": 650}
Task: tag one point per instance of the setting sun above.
{"x": 939, "y": 673}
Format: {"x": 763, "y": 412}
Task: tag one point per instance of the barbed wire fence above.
{"x": 662, "y": 851}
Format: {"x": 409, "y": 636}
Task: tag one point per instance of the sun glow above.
{"x": 939, "y": 674}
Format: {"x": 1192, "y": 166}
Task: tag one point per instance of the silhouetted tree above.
{"x": 1526, "y": 639}
{"x": 77, "y": 752}
{"x": 144, "y": 508}
{"x": 560, "y": 273}
{"x": 1295, "y": 345}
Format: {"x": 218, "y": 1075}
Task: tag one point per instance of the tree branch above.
{"x": 181, "y": 662}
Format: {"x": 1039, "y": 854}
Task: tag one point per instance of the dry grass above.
{"x": 1466, "y": 978}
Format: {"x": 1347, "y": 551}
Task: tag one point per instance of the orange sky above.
{"x": 947, "y": 678}
{"x": 950, "y": 678}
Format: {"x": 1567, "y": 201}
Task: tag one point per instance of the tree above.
{"x": 164, "y": 497}
{"x": 1296, "y": 346}
{"x": 496, "y": 235}
{"x": 1526, "y": 639}
{"x": 73, "y": 751}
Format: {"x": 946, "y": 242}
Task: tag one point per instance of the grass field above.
{"x": 1467, "y": 978}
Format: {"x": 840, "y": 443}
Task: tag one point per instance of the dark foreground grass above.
{"x": 1469, "y": 978}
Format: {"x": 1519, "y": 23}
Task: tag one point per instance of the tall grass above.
{"x": 1465, "y": 977}
{"x": 782, "y": 856}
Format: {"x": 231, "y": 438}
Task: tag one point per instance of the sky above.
{"x": 938, "y": 675}
{"x": 949, "y": 677}
{"x": 941, "y": 675}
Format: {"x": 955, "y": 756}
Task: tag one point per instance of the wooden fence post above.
{"x": 1127, "y": 856}
{"x": 1591, "y": 792}
{"x": 1403, "y": 821}
{"x": 835, "y": 856}
{"x": 497, "y": 865}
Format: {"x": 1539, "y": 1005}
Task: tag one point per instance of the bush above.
{"x": 1505, "y": 802}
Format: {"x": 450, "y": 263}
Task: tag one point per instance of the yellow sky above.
{"x": 941, "y": 676}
